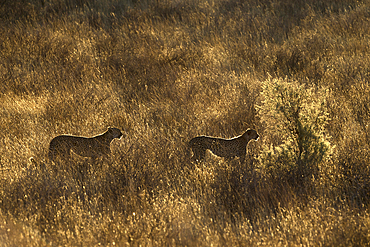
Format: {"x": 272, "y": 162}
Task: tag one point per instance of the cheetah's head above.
{"x": 115, "y": 133}
{"x": 251, "y": 134}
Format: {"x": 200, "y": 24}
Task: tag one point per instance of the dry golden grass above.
{"x": 164, "y": 72}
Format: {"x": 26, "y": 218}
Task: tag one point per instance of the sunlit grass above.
{"x": 164, "y": 72}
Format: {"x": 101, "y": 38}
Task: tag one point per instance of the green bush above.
{"x": 295, "y": 119}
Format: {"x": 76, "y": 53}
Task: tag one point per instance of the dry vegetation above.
{"x": 165, "y": 71}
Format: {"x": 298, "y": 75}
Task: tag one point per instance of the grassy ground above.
{"x": 164, "y": 72}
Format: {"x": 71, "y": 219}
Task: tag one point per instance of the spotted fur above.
{"x": 228, "y": 148}
{"x": 61, "y": 146}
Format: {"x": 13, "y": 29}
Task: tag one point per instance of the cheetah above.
{"x": 227, "y": 148}
{"x": 93, "y": 147}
